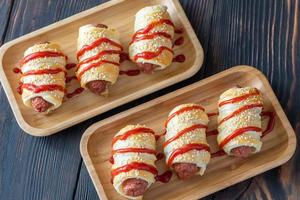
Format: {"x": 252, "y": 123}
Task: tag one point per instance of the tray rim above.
{"x": 34, "y": 131}
{"x": 283, "y": 158}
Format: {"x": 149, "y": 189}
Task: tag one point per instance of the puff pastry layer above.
{"x": 43, "y": 66}
{"x": 129, "y": 148}
{"x": 185, "y": 128}
{"x": 98, "y": 54}
{"x": 153, "y": 36}
{"x": 239, "y": 119}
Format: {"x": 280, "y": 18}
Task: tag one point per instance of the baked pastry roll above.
{"x": 151, "y": 45}
{"x": 134, "y": 155}
{"x": 43, "y": 77}
{"x": 240, "y": 121}
{"x": 185, "y": 146}
{"x": 98, "y": 54}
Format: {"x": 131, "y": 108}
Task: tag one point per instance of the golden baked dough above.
{"x": 154, "y": 26}
{"x": 98, "y": 54}
{"x": 31, "y": 64}
{"x": 142, "y": 138}
{"x": 239, "y": 111}
{"x": 186, "y": 125}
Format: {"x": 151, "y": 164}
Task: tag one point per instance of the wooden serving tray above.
{"x": 278, "y": 146}
{"x": 118, "y": 14}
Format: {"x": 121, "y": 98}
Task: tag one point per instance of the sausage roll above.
{"x": 43, "y": 77}
{"x": 151, "y": 45}
{"x": 134, "y": 155}
{"x": 98, "y": 54}
{"x": 239, "y": 121}
{"x": 185, "y": 146}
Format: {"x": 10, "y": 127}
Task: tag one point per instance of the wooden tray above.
{"x": 118, "y": 14}
{"x": 278, "y": 146}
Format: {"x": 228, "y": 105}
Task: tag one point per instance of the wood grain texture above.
{"x": 65, "y": 33}
{"x": 221, "y": 172}
{"x": 5, "y": 12}
{"x": 37, "y": 168}
{"x": 199, "y": 13}
{"x": 264, "y": 34}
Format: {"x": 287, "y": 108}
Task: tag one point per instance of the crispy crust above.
{"x": 198, "y": 136}
{"x": 141, "y": 140}
{"x": 250, "y": 117}
{"x": 53, "y": 97}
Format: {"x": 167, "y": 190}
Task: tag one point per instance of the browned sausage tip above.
{"x": 134, "y": 187}
{"x": 147, "y": 68}
{"x": 185, "y": 170}
{"x": 39, "y": 104}
{"x": 101, "y": 26}
{"x": 243, "y": 151}
{"x": 97, "y": 86}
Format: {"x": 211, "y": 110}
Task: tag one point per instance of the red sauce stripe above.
{"x": 41, "y": 88}
{"x": 184, "y": 131}
{"x": 43, "y": 71}
{"x": 238, "y": 132}
{"x": 41, "y": 54}
{"x": 140, "y": 130}
{"x": 134, "y": 150}
{"x": 182, "y": 110}
{"x": 152, "y": 25}
{"x": 149, "y": 54}
{"x": 134, "y": 166}
{"x": 97, "y": 43}
{"x": 271, "y": 122}
{"x": 240, "y": 98}
{"x": 93, "y": 65}
{"x": 241, "y": 109}
{"x": 98, "y": 56}
{"x": 150, "y": 36}
{"x": 186, "y": 148}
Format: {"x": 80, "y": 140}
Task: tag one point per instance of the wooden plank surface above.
{"x": 263, "y": 34}
{"x": 254, "y": 32}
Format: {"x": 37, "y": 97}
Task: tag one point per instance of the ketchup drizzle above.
{"x": 16, "y": 70}
{"x": 70, "y": 78}
{"x": 238, "y": 111}
{"x": 240, "y": 98}
{"x": 212, "y": 132}
{"x": 75, "y": 92}
{"x": 131, "y": 72}
{"x": 271, "y": 122}
{"x": 41, "y": 54}
{"x": 159, "y": 156}
{"x": 182, "y": 110}
{"x": 218, "y": 154}
{"x": 179, "y": 58}
{"x": 238, "y": 132}
{"x": 123, "y": 57}
{"x": 134, "y": 165}
{"x": 70, "y": 66}
{"x": 165, "y": 177}
{"x": 93, "y": 65}
{"x": 97, "y": 43}
{"x": 144, "y": 33}
{"x": 135, "y": 131}
{"x": 179, "y": 30}
{"x": 149, "y": 54}
{"x": 43, "y": 71}
{"x": 41, "y": 88}
{"x": 185, "y": 149}
{"x": 184, "y": 131}
{"x": 134, "y": 150}
{"x": 179, "y": 41}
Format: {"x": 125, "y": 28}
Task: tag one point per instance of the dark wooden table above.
{"x": 262, "y": 33}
